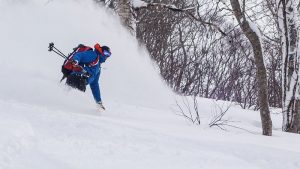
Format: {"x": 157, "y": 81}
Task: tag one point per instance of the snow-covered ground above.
{"x": 45, "y": 125}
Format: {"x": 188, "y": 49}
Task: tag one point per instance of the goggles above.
{"x": 106, "y": 53}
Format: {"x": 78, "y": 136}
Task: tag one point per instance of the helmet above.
{"x": 106, "y": 51}
{"x": 106, "y": 48}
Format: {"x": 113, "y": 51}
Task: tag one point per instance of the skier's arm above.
{"x": 96, "y": 89}
{"x": 78, "y": 57}
{"x": 85, "y": 57}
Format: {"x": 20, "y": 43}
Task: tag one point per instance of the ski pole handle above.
{"x": 50, "y": 47}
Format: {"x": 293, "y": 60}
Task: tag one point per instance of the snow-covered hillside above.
{"x": 43, "y": 124}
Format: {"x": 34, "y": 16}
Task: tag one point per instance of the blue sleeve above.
{"x": 78, "y": 56}
{"x": 95, "y": 88}
{"x": 102, "y": 58}
{"x": 85, "y": 57}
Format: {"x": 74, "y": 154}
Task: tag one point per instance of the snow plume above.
{"x": 31, "y": 74}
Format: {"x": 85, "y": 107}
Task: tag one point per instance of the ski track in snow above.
{"x": 45, "y": 125}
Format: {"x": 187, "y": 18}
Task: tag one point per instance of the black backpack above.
{"x": 76, "y": 81}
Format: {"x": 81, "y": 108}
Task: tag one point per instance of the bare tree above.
{"x": 288, "y": 18}
{"x": 188, "y": 111}
{"x": 218, "y": 117}
{"x": 253, "y": 34}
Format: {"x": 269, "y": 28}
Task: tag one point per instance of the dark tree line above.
{"x": 197, "y": 59}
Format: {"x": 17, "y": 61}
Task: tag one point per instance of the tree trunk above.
{"x": 287, "y": 16}
{"x": 253, "y": 35}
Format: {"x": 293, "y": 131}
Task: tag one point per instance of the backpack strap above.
{"x": 68, "y": 62}
{"x": 82, "y": 48}
{"x": 95, "y": 62}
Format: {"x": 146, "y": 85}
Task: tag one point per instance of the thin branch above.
{"x": 185, "y": 10}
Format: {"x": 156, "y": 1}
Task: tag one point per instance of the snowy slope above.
{"x": 45, "y": 125}
{"x": 26, "y": 30}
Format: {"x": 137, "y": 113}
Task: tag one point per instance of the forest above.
{"x": 245, "y": 52}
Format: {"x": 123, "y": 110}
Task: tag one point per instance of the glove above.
{"x": 100, "y": 106}
{"x": 74, "y": 63}
{"x": 85, "y": 74}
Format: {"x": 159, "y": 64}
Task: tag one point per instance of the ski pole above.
{"x": 57, "y": 51}
{"x": 52, "y": 48}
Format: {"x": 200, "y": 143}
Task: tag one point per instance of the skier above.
{"x": 90, "y": 63}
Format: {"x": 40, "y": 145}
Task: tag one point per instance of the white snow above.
{"x": 138, "y": 3}
{"x": 44, "y": 125}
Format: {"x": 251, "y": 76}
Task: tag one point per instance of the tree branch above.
{"x": 187, "y": 11}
